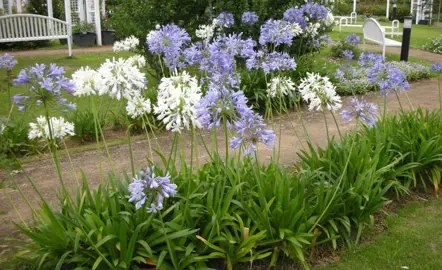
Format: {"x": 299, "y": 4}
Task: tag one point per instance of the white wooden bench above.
{"x": 32, "y": 27}
{"x": 374, "y": 32}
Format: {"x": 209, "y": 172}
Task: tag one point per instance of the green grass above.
{"x": 420, "y": 34}
{"x": 70, "y": 65}
{"x": 413, "y": 239}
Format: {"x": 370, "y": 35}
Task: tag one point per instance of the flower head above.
{"x": 352, "y": 39}
{"x": 276, "y": 32}
{"x": 138, "y": 106}
{"x": 314, "y": 11}
{"x": 250, "y": 132}
{"x": 361, "y": 110}
{"x": 280, "y": 85}
{"x": 147, "y": 187}
{"x": 46, "y": 85}
{"x": 177, "y": 96}
{"x": 249, "y": 17}
{"x": 218, "y": 105}
{"x": 87, "y": 81}
{"x": 295, "y": 15}
{"x": 125, "y": 45}
{"x": 168, "y": 42}
{"x": 205, "y": 32}
{"x": 137, "y": 60}
{"x": 370, "y": 59}
{"x": 319, "y": 92}
{"x": 7, "y": 61}
{"x": 59, "y": 127}
{"x": 271, "y": 61}
{"x": 120, "y": 78}
{"x": 436, "y": 67}
{"x": 348, "y": 55}
{"x": 388, "y": 77}
{"x": 225, "y": 19}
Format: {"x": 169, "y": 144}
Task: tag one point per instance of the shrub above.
{"x": 342, "y": 49}
{"x": 434, "y": 45}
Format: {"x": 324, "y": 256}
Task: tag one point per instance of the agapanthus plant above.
{"x": 87, "y": 81}
{"x": 275, "y": 61}
{"x": 436, "y": 67}
{"x": 251, "y": 131}
{"x": 319, "y": 92}
{"x": 295, "y": 15}
{"x": 352, "y": 80}
{"x": 59, "y": 127}
{"x": 348, "y": 55}
{"x": 127, "y": 44}
{"x": 276, "y": 32}
{"x": 46, "y": 86}
{"x": 177, "y": 97}
{"x": 137, "y": 60}
{"x": 150, "y": 188}
{"x": 361, "y": 110}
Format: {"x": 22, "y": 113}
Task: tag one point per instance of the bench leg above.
{"x": 383, "y": 51}
{"x": 70, "y": 46}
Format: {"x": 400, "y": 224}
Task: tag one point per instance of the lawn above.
{"x": 420, "y": 34}
{"x": 413, "y": 239}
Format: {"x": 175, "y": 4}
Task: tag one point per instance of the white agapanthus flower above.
{"x": 311, "y": 30}
{"x": 329, "y": 20}
{"x": 151, "y": 34}
{"x": 125, "y": 45}
{"x": 60, "y": 128}
{"x": 138, "y": 106}
{"x": 137, "y": 60}
{"x": 177, "y": 97}
{"x": 86, "y": 81}
{"x": 205, "y": 32}
{"x": 2, "y": 128}
{"x": 319, "y": 92}
{"x": 120, "y": 78}
{"x": 280, "y": 85}
{"x": 296, "y": 29}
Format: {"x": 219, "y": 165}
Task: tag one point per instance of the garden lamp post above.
{"x": 394, "y": 9}
{"x": 406, "y": 38}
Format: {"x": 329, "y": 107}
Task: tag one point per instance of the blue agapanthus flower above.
{"x": 369, "y": 59}
{"x": 361, "y": 110}
{"x": 388, "y": 77}
{"x": 295, "y": 15}
{"x": 314, "y": 11}
{"x": 276, "y": 32}
{"x": 168, "y": 41}
{"x": 437, "y": 67}
{"x": 348, "y": 55}
{"x": 46, "y": 85}
{"x": 147, "y": 187}
{"x": 222, "y": 105}
{"x": 7, "y": 61}
{"x": 250, "y": 132}
{"x": 353, "y": 39}
{"x": 271, "y": 61}
{"x": 225, "y": 19}
{"x": 249, "y": 17}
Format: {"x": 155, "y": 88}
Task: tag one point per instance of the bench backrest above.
{"x": 28, "y": 27}
{"x": 373, "y": 32}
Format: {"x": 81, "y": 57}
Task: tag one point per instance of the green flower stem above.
{"x": 15, "y": 208}
{"x": 440, "y": 93}
{"x": 97, "y": 137}
{"x": 205, "y": 146}
{"x": 226, "y": 137}
{"x": 94, "y": 109}
{"x": 399, "y": 100}
{"x": 34, "y": 214}
{"x": 70, "y": 162}
{"x": 153, "y": 132}
{"x": 298, "y": 110}
{"x": 175, "y": 140}
{"x": 148, "y": 139}
{"x": 336, "y": 123}
{"x": 326, "y": 124}
{"x": 132, "y": 165}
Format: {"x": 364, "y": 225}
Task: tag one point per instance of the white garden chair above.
{"x": 375, "y": 33}
{"x": 32, "y": 27}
